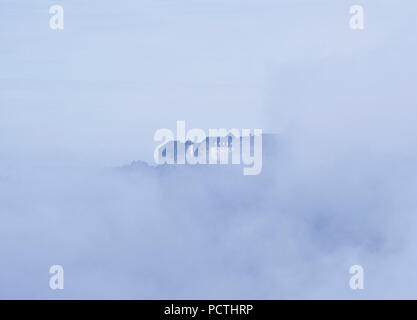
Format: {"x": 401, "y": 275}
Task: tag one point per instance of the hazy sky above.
{"x": 341, "y": 192}
{"x": 95, "y": 92}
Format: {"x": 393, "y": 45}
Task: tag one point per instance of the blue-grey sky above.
{"x": 95, "y": 92}
{"x": 91, "y": 96}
